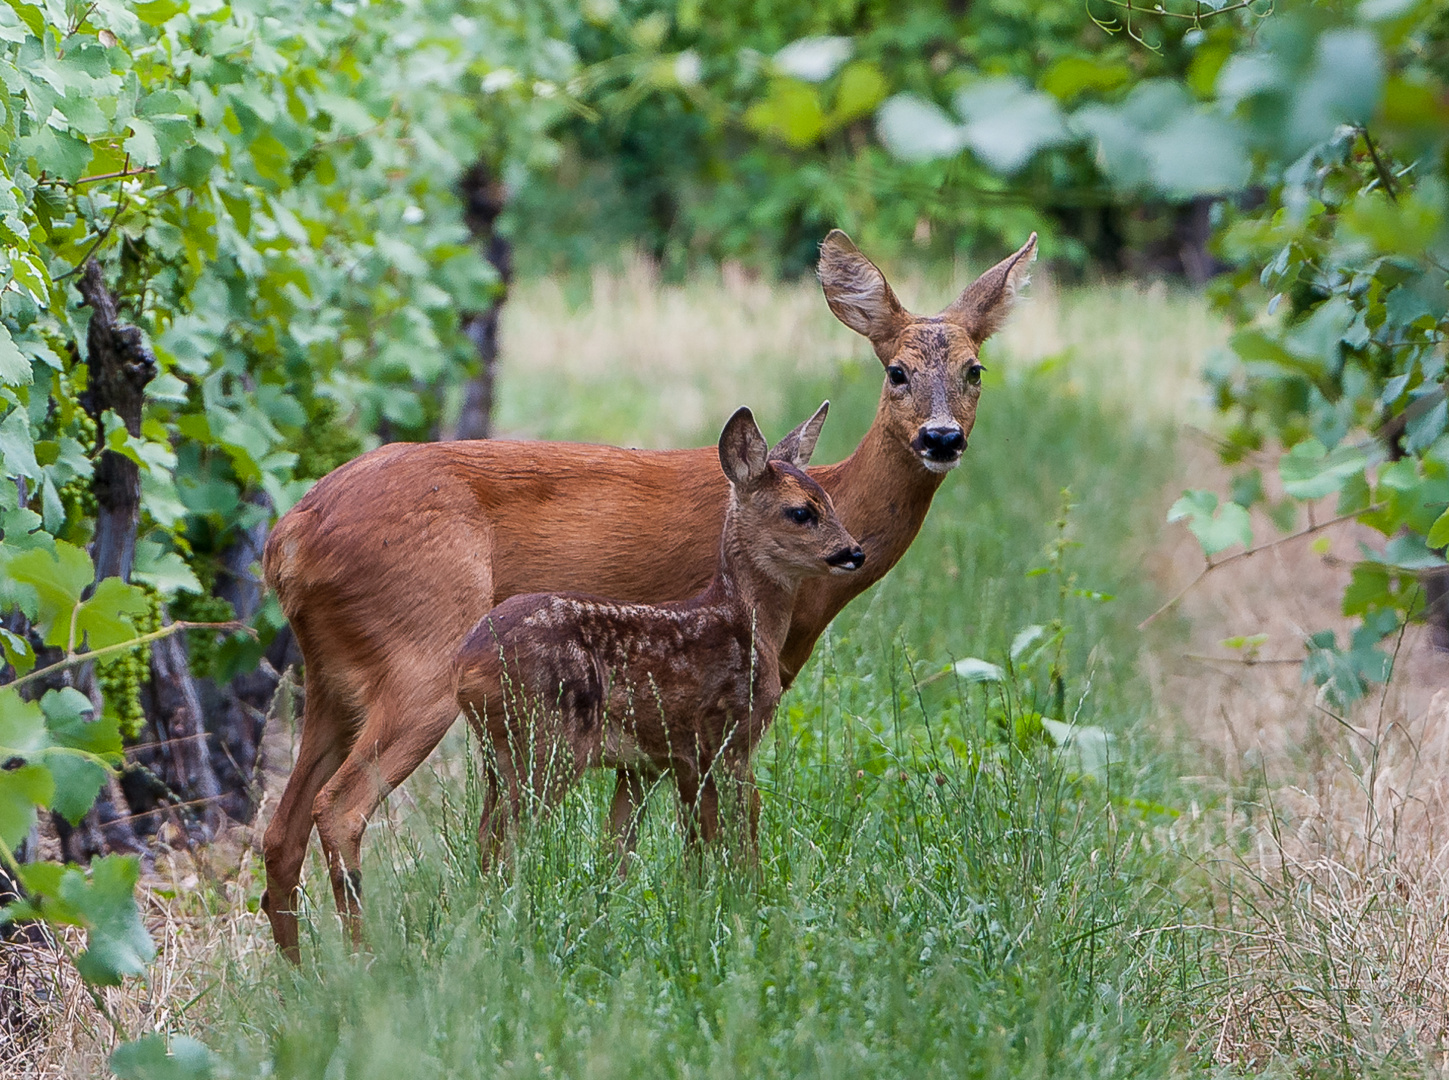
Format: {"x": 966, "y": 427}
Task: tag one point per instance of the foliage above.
{"x": 1327, "y": 124}
{"x": 269, "y": 186}
{"x": 749, "y": 131}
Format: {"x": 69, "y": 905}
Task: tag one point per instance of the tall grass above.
{"x": 941, "y": 890}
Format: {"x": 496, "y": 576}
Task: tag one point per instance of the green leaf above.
{"x": 1025, "y": 639}
{"x": 914, "y": 129}
{"x": 149, "y": 1058}
{"x": 21, "y": 791}
{"x": 70, "y": 717}
{"x": 862, "y": 87}
{"x": 973, "y": 670}
{"x": 31, "y": 16}
{"x": 57, "y": 153}
{"x": 790, "y": 112}
{"x": 17, "y": 448}
{"x": 157, "y": 12}
{"x": 22, "y": 725}
{"x": 165, "y": 571}
{"x": 104, "y": 619}
{"x": 1439, "y": 534}
{"x": 1215, "y": 527}
{"x": 17, "y": 651}
{"x": 1310, "y": 471}
{"x": 57, "y": 579}
{"x": 1007, "y": 122}
{"x": 77, "y": 782}
{"x": 1074, "y": 75}
{"x": 117, "y": 943}
{"x": 14, "y": 368}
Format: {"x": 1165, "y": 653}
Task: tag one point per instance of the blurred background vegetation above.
{"x": 240, "y": 244}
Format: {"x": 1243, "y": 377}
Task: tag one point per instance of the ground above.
{"x": 1211, "y": 874}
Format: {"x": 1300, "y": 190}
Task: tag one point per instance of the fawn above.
{"x": 554, "y": 683}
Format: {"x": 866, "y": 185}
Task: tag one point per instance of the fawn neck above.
{"x": 745, "y": 577}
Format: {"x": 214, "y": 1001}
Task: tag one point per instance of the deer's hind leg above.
{"x": 400, "y": 730}
{"x": 325, "y": 732}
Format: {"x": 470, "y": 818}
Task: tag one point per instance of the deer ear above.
{"x": 859, "y": 295}
{"x": 796, "y": 447}
{"x": 743, "y": 451}
{"x": 982, "y": 309}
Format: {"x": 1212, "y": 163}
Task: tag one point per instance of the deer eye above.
{"x": 897, "y": 375}
{"x": 973, "y": 374}
{"x": 801, "y": 515}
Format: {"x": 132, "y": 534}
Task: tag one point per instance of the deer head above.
{"x": 933, "y": 374}
{"x": 784, "y": 519}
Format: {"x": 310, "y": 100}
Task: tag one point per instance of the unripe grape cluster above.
{"x": 121, "y": 676}
{"x": 202, "y": 646}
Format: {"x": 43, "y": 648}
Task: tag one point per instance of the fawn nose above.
{"x": 942, "y": 443}
{"x": 851, "y": 558}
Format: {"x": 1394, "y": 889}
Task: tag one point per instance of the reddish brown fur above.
{"x": 554, "y": 683}
{"x": 383, "y": 566}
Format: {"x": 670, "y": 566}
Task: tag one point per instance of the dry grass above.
{"x": 196, "y": 907}
{"x": 673, "y": 360}
{"x": 1327, "y": 857}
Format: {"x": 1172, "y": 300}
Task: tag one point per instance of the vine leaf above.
{"x": 21, "y": 791}
{"x": 1216, "y": 528}
{"x": 150, "y": 1058}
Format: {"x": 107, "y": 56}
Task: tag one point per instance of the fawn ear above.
{"x": 982, "y": 308}
{"x": 795, "y": 448}
{"x": 743, "y": 451}
{"x": 859, "y": 295}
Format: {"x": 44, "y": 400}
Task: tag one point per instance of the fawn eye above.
{"x": 801, "y": 515}
{"x": 973, "y": 374}
{"x": 897, "y": 375}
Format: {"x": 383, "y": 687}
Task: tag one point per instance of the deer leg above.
{"x": 396, "y": 738}
{"x": 494, "y": 823}
{"x": 630, "y": 792}
{"x": 284, "y": 848}
{"x": 699, "y": 807}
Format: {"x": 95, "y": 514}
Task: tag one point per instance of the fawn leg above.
{"x": 699, "y": 807}
{"x": 627, "y": 808}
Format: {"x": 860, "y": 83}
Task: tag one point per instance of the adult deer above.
{"x": 555, "y": 683}
{"x": 383, "y": 567}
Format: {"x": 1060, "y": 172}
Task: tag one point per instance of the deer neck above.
{"x": 882, "y": 493}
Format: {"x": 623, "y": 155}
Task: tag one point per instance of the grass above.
{"x": 941, "y": 890}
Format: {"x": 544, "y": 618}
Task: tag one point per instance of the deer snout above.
{"x": 941, "y": 444}
{"x": 846, "y": 559}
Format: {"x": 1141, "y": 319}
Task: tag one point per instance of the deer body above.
{"x": 555, "y": 683}
{"x": 383, "y": 567}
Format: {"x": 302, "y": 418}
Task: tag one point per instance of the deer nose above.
{"x": 851, "y": 558}
{"x": 943, "y": 443}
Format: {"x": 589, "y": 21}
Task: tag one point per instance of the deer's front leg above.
{"x": 699, "y": 806}
{"x": 630, "y": 791}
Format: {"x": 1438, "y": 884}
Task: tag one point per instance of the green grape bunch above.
{"x": 121, "y": 676}
{"x": 202, "y": 646}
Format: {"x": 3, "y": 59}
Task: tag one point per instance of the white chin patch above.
{"x": 939, "y": 466}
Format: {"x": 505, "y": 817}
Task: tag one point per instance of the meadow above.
{"x": 967, "y": 870}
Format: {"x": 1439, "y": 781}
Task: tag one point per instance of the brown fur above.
{"x": 383, "y": 566}
{"x": 554, "y": 683}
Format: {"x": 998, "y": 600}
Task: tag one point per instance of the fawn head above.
{"x": 933, "y": 374}
{"x": 785, "y": 519}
